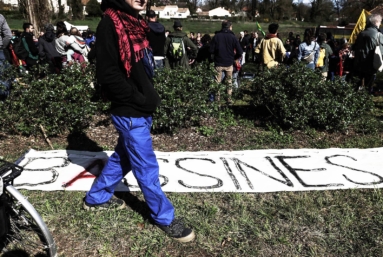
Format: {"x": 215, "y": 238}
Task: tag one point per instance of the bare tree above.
{"x": 37, "y": 12}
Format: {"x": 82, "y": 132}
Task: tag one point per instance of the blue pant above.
{"x": 134, "y": 152}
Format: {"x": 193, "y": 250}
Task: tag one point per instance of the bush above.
{"x": 59, "y": 103}
{"x": 185, "y": 97}
{"x": 298, "y": 98}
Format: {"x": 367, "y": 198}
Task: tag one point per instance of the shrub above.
{"x": 59, "y": 103}
{"x": 298, "y": 97}
{"x": 184, "y": 97}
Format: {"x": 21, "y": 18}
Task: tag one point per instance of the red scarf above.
{"x": 268, "y": 36}
{"x": 130, "y": 30}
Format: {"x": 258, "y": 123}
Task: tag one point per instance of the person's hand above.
{"x": 191, "y": 61}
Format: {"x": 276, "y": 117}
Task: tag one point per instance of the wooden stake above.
{"x": 45, "y": 136}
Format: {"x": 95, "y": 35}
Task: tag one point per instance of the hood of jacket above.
{"x": 156, "y": 27}
{"x": 177, "y": 34}
{"x": 120, "y": 5}
{"x": 225, "y": 30}
{"x": 49, "y": 36}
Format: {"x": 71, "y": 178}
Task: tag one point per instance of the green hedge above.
{"x": 185, "y": 97}
{"x": 59, "y": 103}
{"x": 298, "y": 97}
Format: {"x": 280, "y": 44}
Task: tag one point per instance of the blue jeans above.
{"x": 134, "y": 152}
{"x": 311, "y": 65}
{"x": 5, "y": 85}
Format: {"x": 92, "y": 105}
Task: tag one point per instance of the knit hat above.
{"x": 49, "y": 27}
{"x": 177, "y": 24}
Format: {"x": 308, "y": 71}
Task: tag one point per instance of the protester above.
{"x": 364, "y": 49}
{"x": 323, "y": 66}
{"x": 187, "y": 48}
{"x": 67, "y": 46}
{"x": 204, "y": 55}
{"x": 47, "y": 50}
{"x": 127, "y": 83}
{"x": 244, "y": 42}
{"x": 90, "y": 37}
{"x": 157, "y": 39}
{"x": 309, "y": 50}
{"x": 79, "y": 44}
{"x": 271, "y": 49}
{"x": 5, "y": 39}
{"x": 30, "y": 46}
{"x": 226, "y": 49}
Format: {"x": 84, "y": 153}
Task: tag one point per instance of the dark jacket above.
{"x": 132, "y": 96}
{"x": 157, "y": 38}
{"x": 47, "y": 46}
{"x": 222, "y": 46}
{"x": 364, "y": 49}
{"x": 33, "y": 51}
{"x": 204, "y": 54}
{"x": 191, "y": 51}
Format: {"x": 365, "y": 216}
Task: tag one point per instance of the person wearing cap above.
{"x": 47, "y": 49}
{"x": 226, "y": 49}
{"x": 157, "y": 39}
{"x": 190, "y": 51}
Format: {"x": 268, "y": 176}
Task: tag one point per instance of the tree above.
{"x": 93, "y": 8}
{"x": 37, "y": 12}
{"x": 321, "y": 10}
{"x": 77, "y": 9}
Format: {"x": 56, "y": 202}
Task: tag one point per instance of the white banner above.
{"x": 239, "y": 171}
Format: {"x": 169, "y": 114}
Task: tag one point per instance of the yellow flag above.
{"x": 360, "y": 25}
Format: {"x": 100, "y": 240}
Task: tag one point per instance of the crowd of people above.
{"x": 130, "y": 49}
{"x": 56, "y": 47}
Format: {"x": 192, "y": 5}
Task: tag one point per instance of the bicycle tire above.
{"x": 28, "y": 232}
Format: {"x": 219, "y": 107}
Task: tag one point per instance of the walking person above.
{"x": 123, "y": 76}
{"x": 226, "y": 49}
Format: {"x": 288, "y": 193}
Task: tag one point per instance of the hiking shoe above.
{"x": 178, "y": 231}
{"x": 116, "y": 204}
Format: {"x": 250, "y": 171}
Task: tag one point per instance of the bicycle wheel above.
{"x": 28, "y": 232}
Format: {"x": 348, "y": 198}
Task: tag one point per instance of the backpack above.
{"x": 322, "y": 54}
{"x": 19, "y": 49}
{"x": 176, "y": 48}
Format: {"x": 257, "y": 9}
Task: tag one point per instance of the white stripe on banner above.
{"x": 240, "y": 171}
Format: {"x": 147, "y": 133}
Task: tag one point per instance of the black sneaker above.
{"x": 178, "y": 231}
{"x": 116, "y": 204}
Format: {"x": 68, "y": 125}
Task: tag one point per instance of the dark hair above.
{"x": 205, "y": 38}
{"x": 61, "y": 28}
{"x": 26, "y": 25}
{"x": 309, "y": 36}
{"x": 273, "y": 28}
{"x": 322, "y": 37}
{"x": 226, "y": 24}
{"x": 151, "y": 14}
{"x": 245, "y": 31}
